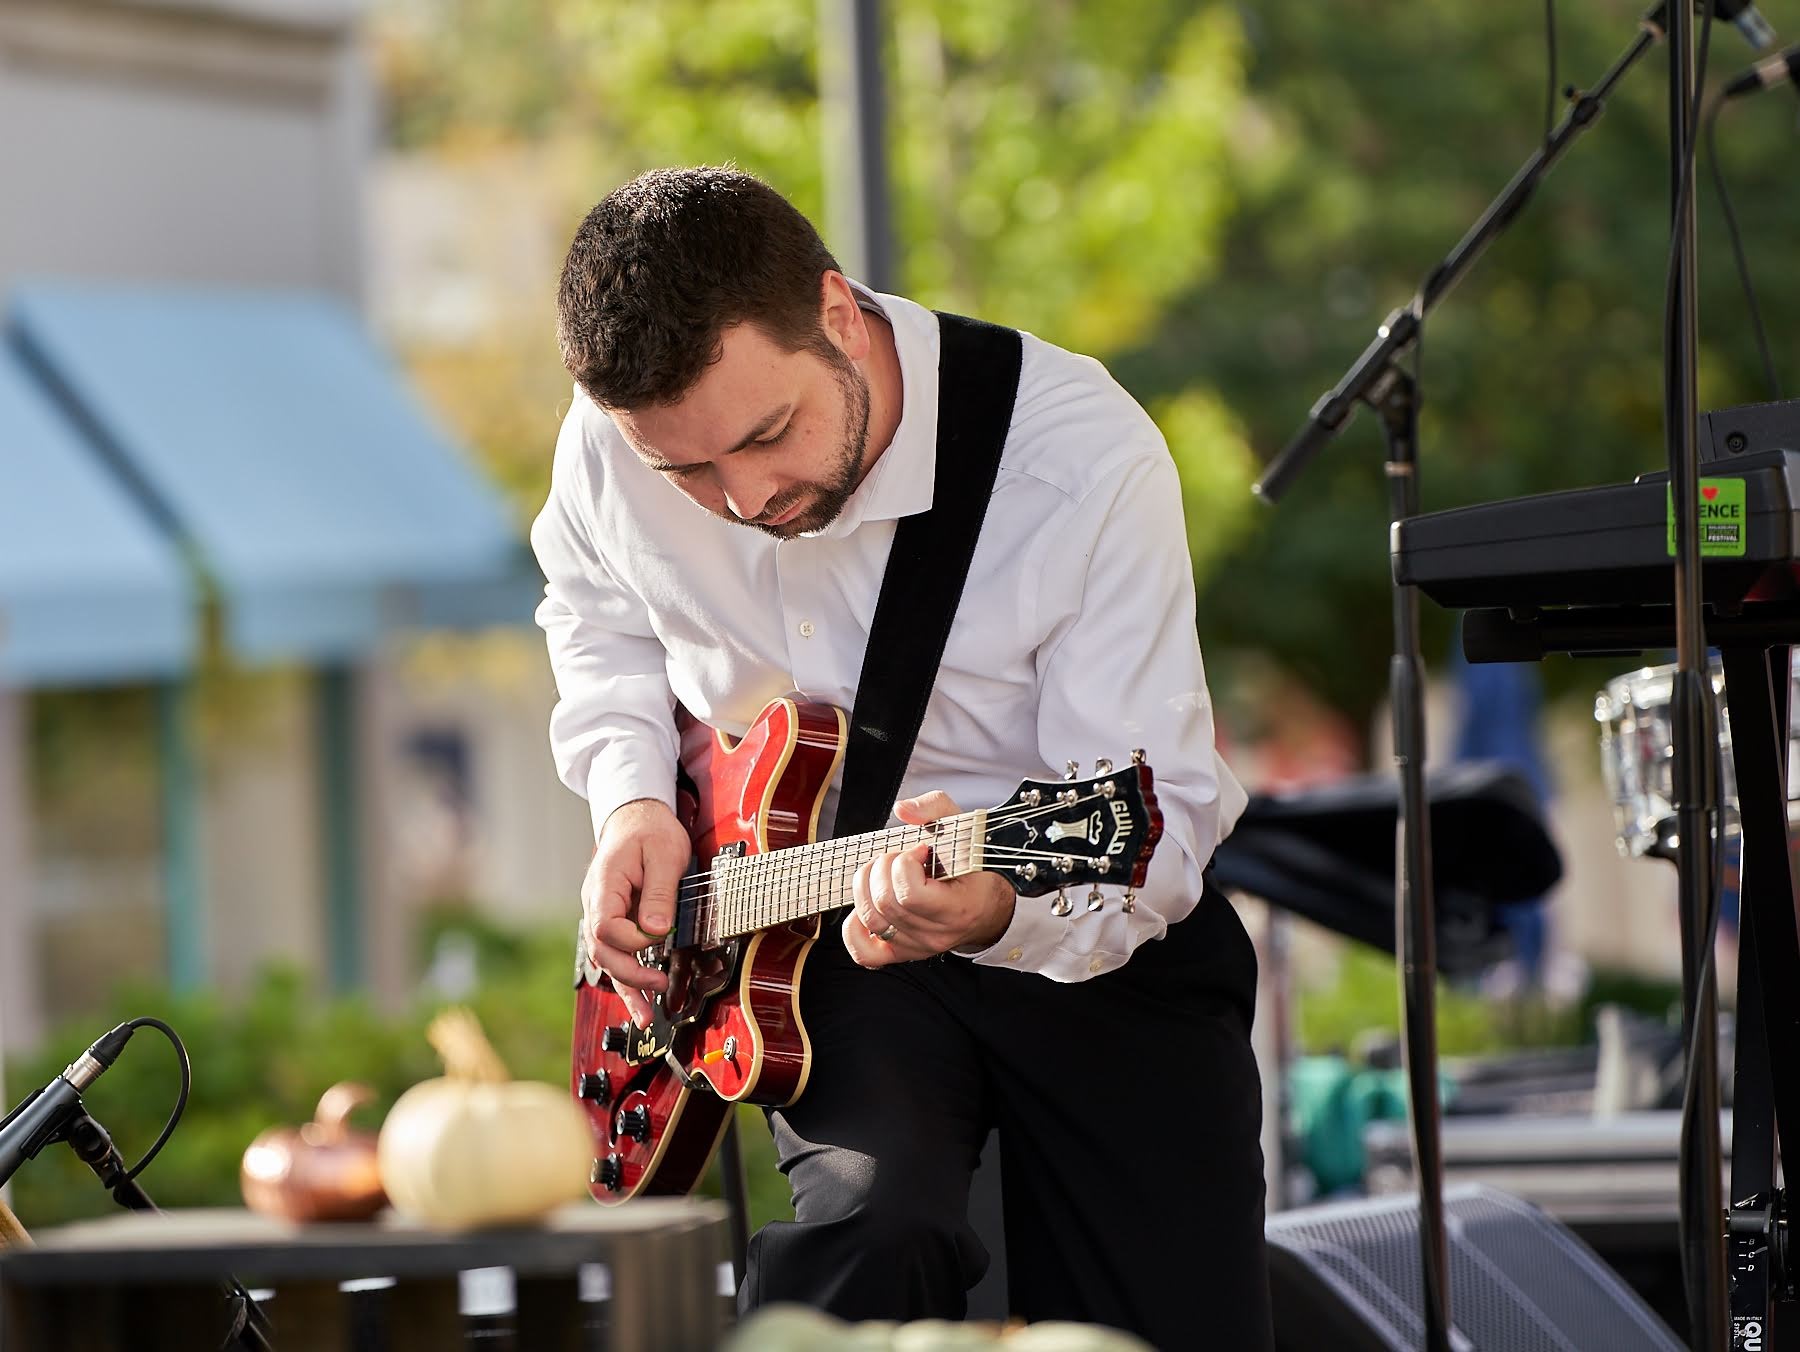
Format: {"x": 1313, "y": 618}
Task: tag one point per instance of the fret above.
{"x": 757, "y": 891}
{"x": 739, "y": 895}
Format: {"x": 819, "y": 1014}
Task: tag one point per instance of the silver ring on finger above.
{"x": 887, "y": 935}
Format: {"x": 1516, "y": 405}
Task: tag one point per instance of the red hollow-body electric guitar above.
{"x": 728, "y": 1029}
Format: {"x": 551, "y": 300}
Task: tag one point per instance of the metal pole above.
{"x": 335, "y": 735}
{"x": 18, "y": 992}
{"x": 1696, "y": 745}
{"x": 183, "y": 870}
{"x": 1415, "y": 911}
{"x": 859, "y": 218}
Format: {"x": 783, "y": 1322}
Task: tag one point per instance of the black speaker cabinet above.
{"x": 1345, "y": 1276}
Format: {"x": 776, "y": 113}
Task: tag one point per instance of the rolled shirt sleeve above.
{"x": 612, "y": 732}
{"x": 1120, "y": 668}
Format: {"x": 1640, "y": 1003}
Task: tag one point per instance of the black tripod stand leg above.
{"x": 1766, "y": 1097}
{"x": 1748, "y": 1252}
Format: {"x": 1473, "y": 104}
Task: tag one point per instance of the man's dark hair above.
{"x": 666, "y": 263}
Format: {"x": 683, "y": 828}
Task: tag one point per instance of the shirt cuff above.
{"x": 1029, "y": 941}
{"x": 619, "y": 776}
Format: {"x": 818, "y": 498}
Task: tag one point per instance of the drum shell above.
{"x": 1637, "y": 753}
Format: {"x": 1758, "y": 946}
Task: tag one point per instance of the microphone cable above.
{"x": 181, "y": 1099}
{"x": 1550, "y": 80}
{"x": 1737, "y": 246}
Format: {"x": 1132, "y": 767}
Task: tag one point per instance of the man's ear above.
{"x": 841, "y": 317}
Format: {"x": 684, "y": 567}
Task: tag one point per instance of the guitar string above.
{"x": 775, "y": 878}
{"x": 698, "y": 882}
{"x": 772, "y": 881}
{"x": 815, "y": 864}
{"x": 780, "y": 872}
{"x": 774, "y": 898}
{"x": 775, "y": 881}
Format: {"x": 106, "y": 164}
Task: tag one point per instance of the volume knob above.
{"x": 615, "y": 1038}
{"x": 608, "y": 1173}
{"x": 634, "y": 1122}
{"x": 593, "y": 1086}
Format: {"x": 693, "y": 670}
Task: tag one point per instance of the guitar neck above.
{"x": 738, "y": 896}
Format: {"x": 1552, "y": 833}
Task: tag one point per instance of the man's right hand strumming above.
{"x": 628, "y": 896}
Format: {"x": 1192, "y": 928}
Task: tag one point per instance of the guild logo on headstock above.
{"x": 1088, "y": 830}
{"x": 1122, "y": 819}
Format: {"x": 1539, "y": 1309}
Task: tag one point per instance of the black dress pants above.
{"x": 1128, "y": 1109}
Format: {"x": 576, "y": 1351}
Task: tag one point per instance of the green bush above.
{"x": 1365, "y": 1000}
{"x": 263, "y": 1060}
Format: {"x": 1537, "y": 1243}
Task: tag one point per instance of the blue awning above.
{"x": 91, "y": 591}
{"x": 285, "y": 450}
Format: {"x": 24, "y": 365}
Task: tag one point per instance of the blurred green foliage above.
{"x": 1385, "y": 136}
{"x": 1219, "y": 200}
{"x": 1362, "y": 1004}
{"x": 1033, "y": 146}
{"x": 263, "y": 1059}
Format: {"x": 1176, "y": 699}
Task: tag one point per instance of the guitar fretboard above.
{"x": 735, "y": 897}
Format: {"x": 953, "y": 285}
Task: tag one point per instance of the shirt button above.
{"x": 806, "y": 628}
{"x": 1014, "y": 954}
{"x": 1095, "y": 964}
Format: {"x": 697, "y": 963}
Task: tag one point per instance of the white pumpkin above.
{"x": 476, "y": 1147}
{"x": 1059, "y": 1336}
{"x": 943, "y": 1335}
{"x": 793, "y": 1328}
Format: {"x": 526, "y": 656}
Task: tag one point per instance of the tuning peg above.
{"x": 1029, "y": 873}
{"x": 1062, "y": 905}
{"x": 1129, "y": 903}
{"x": 1095, "y": 900}
{"x": 1103, "y": 766}
{"x": 1071, "y": 769}
{"x": 1137, "y": 755}
{"x": 1065, "y": 863}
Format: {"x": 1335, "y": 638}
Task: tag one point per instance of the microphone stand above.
{"x": 250, "y": 1328}
{"x": 1377, "y": 378}
{"x": 1693, "y": 717}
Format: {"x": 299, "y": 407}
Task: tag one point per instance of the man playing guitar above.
{"x": 724, "y": 363}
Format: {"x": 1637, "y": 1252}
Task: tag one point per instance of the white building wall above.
{"x": 173, "y": 143}
{"x": 194, "y": 142}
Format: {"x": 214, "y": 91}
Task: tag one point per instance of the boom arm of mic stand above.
{"x": 1401, "y": 329}
{"x": 1335, "y": 406}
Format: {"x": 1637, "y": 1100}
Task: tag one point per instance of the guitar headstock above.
{"x": 1056, "y": 834}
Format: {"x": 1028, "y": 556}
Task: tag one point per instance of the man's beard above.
{"x": 828, "y": 499}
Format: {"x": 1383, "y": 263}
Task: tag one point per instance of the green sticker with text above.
{"x": 1724, "y": 523}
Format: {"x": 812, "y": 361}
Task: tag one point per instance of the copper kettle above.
{"x": 322, "y": 1171}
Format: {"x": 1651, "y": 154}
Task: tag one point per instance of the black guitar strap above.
{"x": 978, "y": 379}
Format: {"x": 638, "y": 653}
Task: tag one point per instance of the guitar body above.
{"x": 729, "y": 1028}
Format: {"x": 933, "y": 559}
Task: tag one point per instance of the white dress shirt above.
{"x": 1075, "y": 638}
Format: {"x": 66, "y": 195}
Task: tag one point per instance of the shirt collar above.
{"x": 903, "y": 479}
